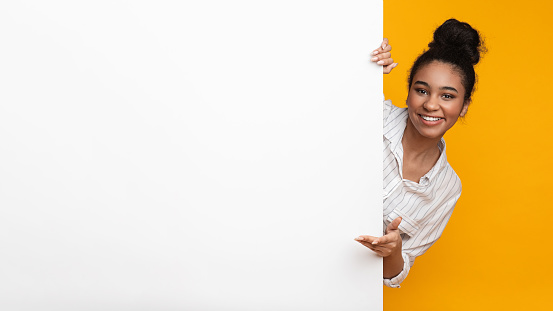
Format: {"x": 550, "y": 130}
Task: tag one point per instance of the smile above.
{"x": 427, "y": 118}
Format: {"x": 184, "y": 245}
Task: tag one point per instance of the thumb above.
{"x": 394, "y": 224}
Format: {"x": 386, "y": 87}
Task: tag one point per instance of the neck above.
{"x": 414, "y": 143}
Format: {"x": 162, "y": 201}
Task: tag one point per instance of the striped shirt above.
{"x": 426, "y": 206}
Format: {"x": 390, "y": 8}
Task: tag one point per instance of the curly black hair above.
{"x": 455, "y": 43}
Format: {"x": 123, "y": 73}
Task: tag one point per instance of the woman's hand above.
{"x": 383, "y": 57}
{"x": 384, "y": 246}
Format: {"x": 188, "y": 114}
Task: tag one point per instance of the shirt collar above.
{"x": 440, "y": 164}
{"x": 393, "y": 132}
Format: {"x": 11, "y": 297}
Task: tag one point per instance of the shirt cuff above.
{"x": 394, "y": 282}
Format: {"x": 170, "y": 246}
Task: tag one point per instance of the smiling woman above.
{"x": 420, "y": 187}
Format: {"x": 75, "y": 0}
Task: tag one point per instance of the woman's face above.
{"x": 436, "y": 99}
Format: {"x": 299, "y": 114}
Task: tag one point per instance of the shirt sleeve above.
{"x": 418, "y": 243}
{"x": 396, "y": 280}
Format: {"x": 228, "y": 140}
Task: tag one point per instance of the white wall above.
{"x": 189, "y": 155}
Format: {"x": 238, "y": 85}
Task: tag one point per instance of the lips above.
{"x": 429, "y": 120}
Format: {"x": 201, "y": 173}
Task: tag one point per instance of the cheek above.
{"x": 455, "y": 109}
{"x": 413, "y": 100}
{"x": 453, "y": 115}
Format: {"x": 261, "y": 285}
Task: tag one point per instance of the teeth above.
{"x": 430, "y": 118}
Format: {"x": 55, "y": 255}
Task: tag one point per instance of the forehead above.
{"x": 438, "y": 74}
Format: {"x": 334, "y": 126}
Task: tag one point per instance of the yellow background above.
{"x": 497, "y": 251}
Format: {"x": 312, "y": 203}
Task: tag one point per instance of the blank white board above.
{"x": 189, "y": 155}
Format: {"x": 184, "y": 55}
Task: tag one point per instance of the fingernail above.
{"x": 384, "y": 45}
{"x": 395, "y": 65}
{"x": 375, "y": 242}
{"x": 375, "y": 52}
{"x": 380, "y": 62}
{"x": 359, "y": 239}
{"x": 374, "y": 59}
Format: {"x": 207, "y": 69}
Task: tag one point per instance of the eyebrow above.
{"x": 442, "y": 88}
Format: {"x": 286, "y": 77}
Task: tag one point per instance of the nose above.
{"x": 431, "y": 104}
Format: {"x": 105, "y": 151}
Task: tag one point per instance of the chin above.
{"x": 433, "y": 136}
{"x": 434, "y": 133}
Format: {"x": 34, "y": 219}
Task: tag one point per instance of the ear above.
{"x": 465, "y": 108}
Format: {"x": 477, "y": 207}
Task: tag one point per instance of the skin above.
{"x": 437, "y": 91}
{"x": 382, "y": 56}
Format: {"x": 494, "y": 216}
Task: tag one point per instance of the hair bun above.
{"x": 460, "y": 39}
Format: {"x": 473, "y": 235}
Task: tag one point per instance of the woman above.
{"x": 420, "y": 187}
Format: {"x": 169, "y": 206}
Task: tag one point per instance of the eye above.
{"x": 448, "y": 96}
{"x": 421, "y": 91}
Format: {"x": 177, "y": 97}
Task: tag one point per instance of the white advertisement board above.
{"x": 190, "y": 155}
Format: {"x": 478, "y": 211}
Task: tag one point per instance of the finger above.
{"x": 384, "y": 47}
{"x": 388, "y": 244}
{"x": 384, "y": 43}
{"x": 388, "y": 69}
{"x": 369, "y": 241}
{"x": 385, "y": 62}
{"x": 394, "y": 224}
{"x": 382, "y": 240}
{"x": 368, "y": 245}
{"x": 385, "y": 55}
{"x": 391, "y": 237}
{"x": 388, "y": 247}
{"x": 381, "y": 56}
{"x": 381, "y": 250}
{"x": 365, "y": 238}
